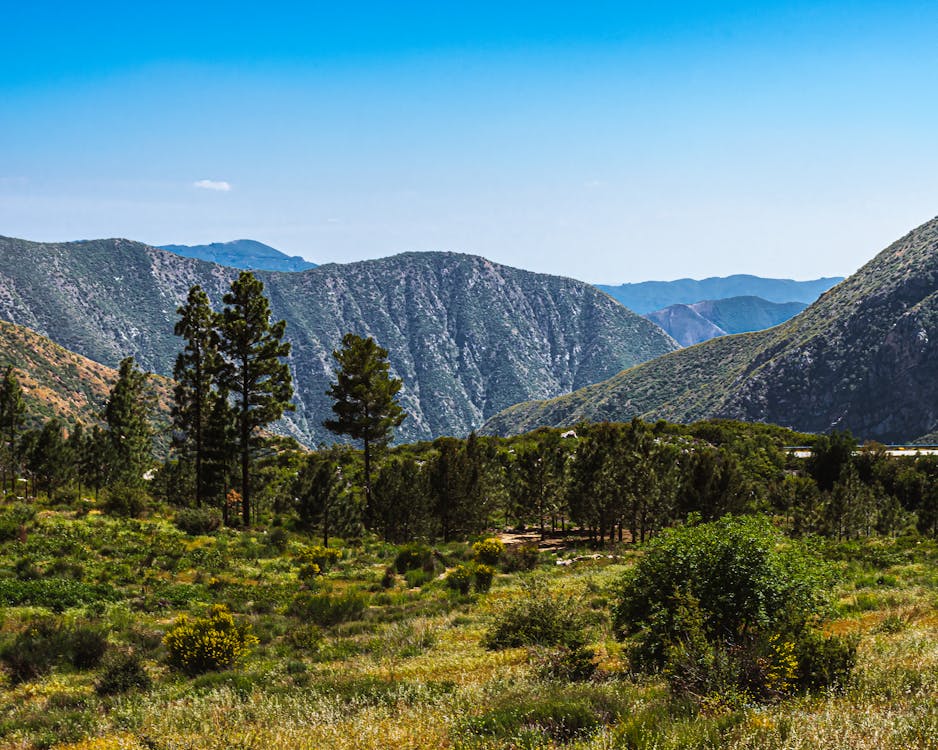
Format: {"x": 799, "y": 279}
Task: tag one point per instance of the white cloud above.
{"x": 219, "y": 185}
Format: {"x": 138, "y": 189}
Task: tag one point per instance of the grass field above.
{"x": 359, "y": 658}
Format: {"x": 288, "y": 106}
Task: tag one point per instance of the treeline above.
{"x": 609, "y": 481}
{"x": 621, "y": 481}
{"x": 53, "y": 459}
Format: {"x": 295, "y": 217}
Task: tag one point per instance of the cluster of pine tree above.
{"x": 118, "y": 453}
{"x": 231, "y": 381}
{"x": 620, "y": 481}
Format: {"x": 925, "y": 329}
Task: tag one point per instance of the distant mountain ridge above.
{"x": 863, "y": 357}
{"x": 701, "y": 321}
{"x": 250, "y": 255}
{"x": 467, "y": 336}
{"x": 649, "y": 296}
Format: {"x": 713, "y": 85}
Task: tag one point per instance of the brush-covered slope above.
{"x": 702, "y": 321}
{"x": 60, "y": 383}
{"x": 648, "y": 296}
{"x": 468, "y": 337}
{"x": 863, "y": 357}
{"x": 247, "y": 254}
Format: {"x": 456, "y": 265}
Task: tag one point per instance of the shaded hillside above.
{"x": 60, "y": 383}
{"x": 247, "y": 254}
{"x": 863, "y": 357}
{"x": 692, "y": 324}
{"x": 648, "y": 296}
{"x": 468, "y": 337}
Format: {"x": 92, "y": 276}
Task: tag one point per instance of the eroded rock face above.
{"x": 467, "y": 336}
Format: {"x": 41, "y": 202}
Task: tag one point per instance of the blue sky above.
{"x": 607, "y": 141}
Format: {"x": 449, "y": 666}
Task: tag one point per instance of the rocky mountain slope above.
{"x": 248, "y": 254}
{"x": 648, "y": 296}
{"x": 468, "y": 337}
{"x": 864, "y": 357}
{"x": 60, "y": 383}
{"x": 702, "y": 321}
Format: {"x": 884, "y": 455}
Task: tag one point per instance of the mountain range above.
{"x": 250, "y": 255}
{"x": 863, "y": 357}
{"x": 467, "y": 336}
{"x": 649, "y": 296}
{"x": 702, "y": 321}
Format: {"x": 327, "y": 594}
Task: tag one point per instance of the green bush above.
{"x": 741, "y": 572}
{"x": 325, "y": 608}
{"x": 545, "y": 717}
{"x": 418, "y": 577}
{"x": 126, "y": 500}
{"x": 825, "y": 661}
{"x": 483, "y": 575}
{"x": 539, "y": 617}
{"x": 121, "y": 672}
{"x": 563, "y": 664}
{"x": 306, "y": 637}
{"x": 323, "y": 557}
{"x": 460, "y": 579}
{"x": 196, "y": 521}
{"x": 85, "y": 645}
{"x": 725, "y": 609}
{"x": 33, "y": 652}
{"x": 522, "y": 557}
{"x": 413, "y": 556}
{"x": 488, "y": 551}
{"x": 47, "y": 642}
{"x": 204, "y": 644}
{"x": 9, "y": 528}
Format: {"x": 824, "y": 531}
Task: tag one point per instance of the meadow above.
{"x": 376, "y": 645}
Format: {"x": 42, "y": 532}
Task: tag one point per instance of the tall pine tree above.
{"x": 127, "y": 415}
{"x": 365, "y": 405}
{"x": 194, "y": 374}
{"x": 12, "y": 414}
{"x": 251, "y": 369}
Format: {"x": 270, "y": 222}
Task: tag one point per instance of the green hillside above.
{"x": 468, "y": 337}
{"x": 863, "y": 357}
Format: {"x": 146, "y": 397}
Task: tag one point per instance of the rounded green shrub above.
{"x": 460, "y": 579}
{"x": 539, "y": 617}
{"x": 413, "y": 556}
{"x": 121, "y": 672}
{"x": 203, "y": 644}
{"x": 722, "y": 606}
{"x": 483, "y": 575}
{"x": 195, "y": 521}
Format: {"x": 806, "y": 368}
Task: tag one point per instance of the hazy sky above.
{"x": 606, "y": 141}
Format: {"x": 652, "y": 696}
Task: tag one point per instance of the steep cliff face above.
{"x": 467, "y": 336}
{"x": 863, "y": 357}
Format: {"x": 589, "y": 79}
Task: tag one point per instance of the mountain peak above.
{"x": 244, "y": 254}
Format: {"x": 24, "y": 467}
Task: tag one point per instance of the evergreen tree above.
{"x": 12, "y": 413}
{"x": 194, "y": 374}
{"x": 76, "y": 446}
{"x": 317, "y": 489}
{"x": 401, "y": 502}
{"x": 221, "y": 456}
{"x": 49, "y": 460}
{"x": 127, "y": 415}
{"x": 251, "y": 369}
{"x": 365, "y": 405}
{"x": 94, "y": 458}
